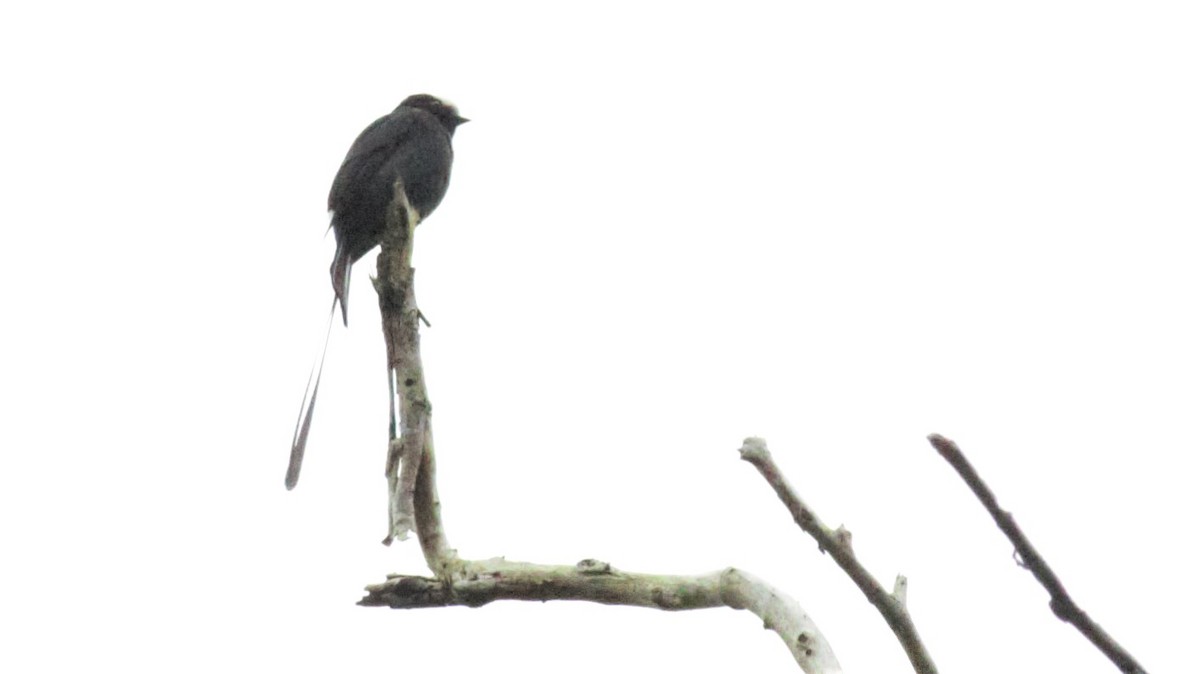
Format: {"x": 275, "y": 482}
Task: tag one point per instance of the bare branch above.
{"x": 483, "y": 582}
{"x": 410, "y": 468}
{"x": 413, "y": 505}
{"x": 837, "y": 544}
{"x": 1028, "y": 557}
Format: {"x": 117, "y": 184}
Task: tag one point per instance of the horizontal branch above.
{"x": 492, "y": 580}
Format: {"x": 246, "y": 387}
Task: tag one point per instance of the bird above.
{"x": 410, "y": 147}
{"x": 411, "y": 144}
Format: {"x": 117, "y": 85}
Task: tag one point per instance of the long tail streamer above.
{"x": 304, "y": 420}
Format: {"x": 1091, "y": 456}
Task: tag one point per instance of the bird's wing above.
{"x": 369, "y": 152}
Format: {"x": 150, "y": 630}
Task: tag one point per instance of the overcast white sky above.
{"x": 840, "y": 226}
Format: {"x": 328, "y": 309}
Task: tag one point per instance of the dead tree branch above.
{"x": 837, "y": 544}
{"x": 483, "y": 582}
{"x": 413, "y": 505}
{"x": 1061, "y": 603}
{"x": 411, "y": 467}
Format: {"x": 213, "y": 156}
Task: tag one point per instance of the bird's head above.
{"x": 445, "y": 112}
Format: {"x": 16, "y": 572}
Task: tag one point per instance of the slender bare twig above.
{"x": 837, "y": 544}
{"x": 487, "y": 581}
{"x": 1060, "y": 602}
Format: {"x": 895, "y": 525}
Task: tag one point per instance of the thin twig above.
{"x": 837, "y": 544}
{"x": 1060, "y": 602}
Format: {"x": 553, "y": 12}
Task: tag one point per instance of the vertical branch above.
{"x": 410, "y": 468}
{"x": 441, "y": 559}
{"x": 408, "y": 402}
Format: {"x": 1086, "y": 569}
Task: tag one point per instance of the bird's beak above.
{"x": 460, "y": 120}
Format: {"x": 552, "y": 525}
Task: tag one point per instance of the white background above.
{"x": 840, "y": 226}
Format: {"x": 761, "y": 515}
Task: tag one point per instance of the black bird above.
{"x": 412, "y": 145}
